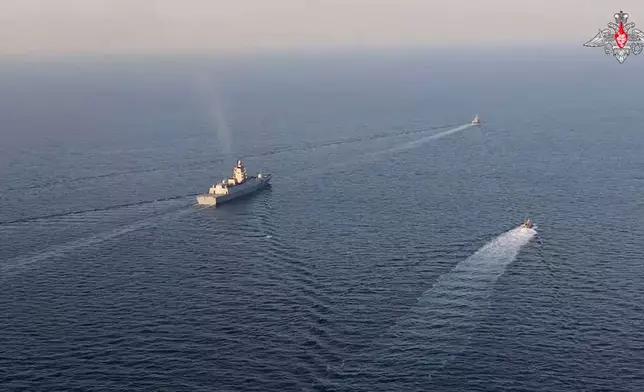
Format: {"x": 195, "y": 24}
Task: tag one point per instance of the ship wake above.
{"x": 426, "y": 139}
{"x": 23, "y": 262}
{"x": 440, "y": 325}
{"x": 370, "y": 157}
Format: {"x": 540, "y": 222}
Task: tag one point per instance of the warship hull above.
{"x": 252, "y": 185}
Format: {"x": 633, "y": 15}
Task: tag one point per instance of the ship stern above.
{"x": 206, "y": 200}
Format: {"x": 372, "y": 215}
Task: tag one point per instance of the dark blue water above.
{"x": 382, "y": 258}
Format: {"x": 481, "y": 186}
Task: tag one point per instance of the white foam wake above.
{"x": 19, "y": 263}
{"x": 440, "y": 325}
{"x": 369, "y": 157}
{"x": 421, "y": 141}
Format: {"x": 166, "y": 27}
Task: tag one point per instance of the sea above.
{"x": 384, "y": 257}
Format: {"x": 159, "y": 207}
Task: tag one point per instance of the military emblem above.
{"x": 620, "y": 39}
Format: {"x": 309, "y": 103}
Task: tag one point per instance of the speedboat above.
{"x": 527, "y": 224}
{"x": 476, "y": 120}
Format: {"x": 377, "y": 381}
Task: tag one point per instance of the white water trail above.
{"x": 20, "y": 263}
{"x": 421, "y": 141}
{"x": 440, "y": 325}
{"x": 370, "y": 157}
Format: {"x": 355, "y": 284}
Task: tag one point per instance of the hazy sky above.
{"x": 113, "y": 26}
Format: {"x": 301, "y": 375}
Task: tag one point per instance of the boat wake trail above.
{"x": 20, "y": 263}
{"x": 108, "y": 208}
{"x": 440, "y": 325}
{"x": 370, "y": 157}
{"x": 416, "y": 143}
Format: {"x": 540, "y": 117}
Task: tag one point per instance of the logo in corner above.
{"x": 620, "y": 39}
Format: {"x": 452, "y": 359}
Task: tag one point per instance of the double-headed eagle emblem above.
{"x": 620, "y": 39}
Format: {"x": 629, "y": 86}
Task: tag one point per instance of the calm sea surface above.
{"x": 383, "y": 258}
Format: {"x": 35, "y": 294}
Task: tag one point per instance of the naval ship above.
{"x": 233, "y": 187}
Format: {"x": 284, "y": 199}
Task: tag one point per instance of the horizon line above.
{"x": 501, "y": 46}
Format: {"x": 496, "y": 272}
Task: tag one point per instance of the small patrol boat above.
{"x": 527, "y": 224}
{"x": 238, "y": 185}
{"x": 476, "y": 120}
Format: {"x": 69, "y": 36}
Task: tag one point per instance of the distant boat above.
{"x": 476, "y": 120}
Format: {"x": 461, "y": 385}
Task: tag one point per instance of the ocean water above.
{"x": 383, "y": 257}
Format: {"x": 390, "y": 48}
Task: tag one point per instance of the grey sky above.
{"x": 113, "y": 26}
